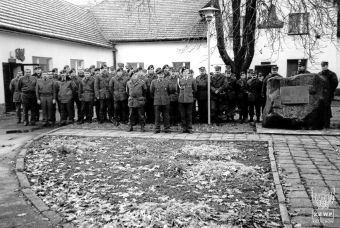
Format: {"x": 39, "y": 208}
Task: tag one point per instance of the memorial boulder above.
{"x": 296, "y": 102}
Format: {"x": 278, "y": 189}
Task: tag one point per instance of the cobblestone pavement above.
{"x": 306, "y": 163}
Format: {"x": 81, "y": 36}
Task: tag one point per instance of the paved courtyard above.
{"x": 306, "y": 162}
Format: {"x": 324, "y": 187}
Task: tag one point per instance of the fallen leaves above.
{"x": 112, "y": 182}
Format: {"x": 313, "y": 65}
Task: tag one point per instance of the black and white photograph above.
{"x": 169, "y": 113}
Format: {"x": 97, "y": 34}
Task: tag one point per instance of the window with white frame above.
{"x": 44, "y": 62}
{"x": 100, "y": 64}
{"x": 298, "y": 24}
{"x": 76, "y": 64}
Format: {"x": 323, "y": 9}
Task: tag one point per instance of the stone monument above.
{"x": 296, "y": 102}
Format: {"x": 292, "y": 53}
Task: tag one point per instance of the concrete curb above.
{"x": 279, "y": 191}
{"x": 15, "y": 131}
{"x": 25, "y": 186}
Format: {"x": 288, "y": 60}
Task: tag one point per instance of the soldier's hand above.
{"x": 39, "y": 102}
{"x": 53, "y": 101}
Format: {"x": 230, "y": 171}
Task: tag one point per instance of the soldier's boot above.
{"x": 19, "y": 121}
{"x": 258, "y": 119}
{"x": 130, "y": 128}
{"x": 251, "y": 119}
{"x": 142, "y": 129}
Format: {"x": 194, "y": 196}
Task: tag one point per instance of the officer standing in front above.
{"x": 136, "y": 89}
{"x": 26, "y": 86}
{"x": 187, "y": 88}
{"x": 217, "y": 86}
{"x": 202, "y": 95}
{"x": 230, "y": 90}
{"x": 86, "y": 97}
{"x": 13, "y": 86}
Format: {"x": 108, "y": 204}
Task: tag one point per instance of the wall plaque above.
{"x": 294, "y": 95}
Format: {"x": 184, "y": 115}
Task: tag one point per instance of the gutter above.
{"x": 157, "y": 40}
{"x": 49, "y": 35}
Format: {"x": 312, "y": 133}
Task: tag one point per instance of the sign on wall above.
{"x": 20, "y": 54}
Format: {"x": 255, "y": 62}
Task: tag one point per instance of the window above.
{"x": 298, "y": 24}
{"x": 77, "y": 64}
{"x": 135, "y": 65}
{"x": 270, "y": 19}
{"x": 100, "y": 64}
{"x": 178, "y": 65}
{"x": 44, "y": 62}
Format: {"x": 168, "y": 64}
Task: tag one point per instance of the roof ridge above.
{"x": 97, "y": 25}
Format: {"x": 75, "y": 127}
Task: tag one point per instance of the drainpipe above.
{"x": 114, "y": 55}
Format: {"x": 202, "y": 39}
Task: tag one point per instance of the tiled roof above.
{"x": 51, "y": 18}
{"x": 167, "y": 20}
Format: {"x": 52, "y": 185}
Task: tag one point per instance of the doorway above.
{"x": 264, "y": 69}
{"x": 9, "y": 71}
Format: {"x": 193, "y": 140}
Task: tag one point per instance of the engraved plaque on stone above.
{"x": 294, "y": 94}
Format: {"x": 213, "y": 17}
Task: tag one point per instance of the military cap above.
{"x": 227, "y": 67}
{"x": 250, "y": 71}
{"x": 66, "y": 66}
{"x": 165, "y": 66}
{"x": 324, "y": 63}
{"x": 87, "y": 70}
{"x": 97, "y": 69}
{"x": 183, "y": 69}
{"x": 103, "y": 66}
{"x": 151, "y": 67}
{"x": 159, "y": 70}
{"x": 119, "y": 70}
{"x": 202, "y": 68}
{"x": 217, "y": 67}
{"x": 121, "y": 64}
{"x": 275, "y": 67}
{"x": 55, "y": 70}
{"x": 36, "y": 68}
{"x": 92, "y": 66}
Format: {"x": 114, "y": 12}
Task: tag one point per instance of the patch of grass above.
{"x": 132, "y": 182}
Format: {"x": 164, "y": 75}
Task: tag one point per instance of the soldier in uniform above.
{"x": 262, "y": 101}
{"x": 37, "y": 75}
{"x": 65, "y": 89}
{"x": 173, "y": 92}
{"x": 56, "y": 79}
{"x": 45, "y": 92}
{"x": 255, "y": 86}
{"x": 54, "y": 108}
{"x": 76, "y": 79}
{"x": 136, "y": 89}
{"x": 187, "y": 88}
{"x": 118, "y": 89}
{"x": 202, "y": 95}
{"x": 274, "y": 73}
{"x": 160, "y": 91}
{"x": 217, "y": 86}
{"x": 166, "y": 70}
{"x": 96, "y": 73}
{"x": 37, "y": 72}
{"x": 150, "y": 112}
{"x": 242, "y": 97}
{"x": 103, "y": 94}
{"x": 333, "y": 82}
{"x": 13, "y": 86}
{"x": 26, "y": 86}
{"x": 86, "y": 96}
{"x": 230, "y": 90}
{"x": 301, "y": 68}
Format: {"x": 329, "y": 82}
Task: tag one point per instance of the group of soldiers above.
{"x": 139, "y": 95}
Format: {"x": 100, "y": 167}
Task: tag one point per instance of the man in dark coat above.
{"x": 242, "y": 97}
{"x": 65, "y": 89}
{"x": 173, "y": 92}
{"x": 202, "y": 95}
{"x": 86, "y": 96}
{"x": 136, "y": 89}
{"x": 230, "y": 91}
{"x": 76, "y": 79}
{"x": 166, "y": 70}
{"x": 333, "y": 82}
{"x": 46, "y": 93}
{"x": 103, "y": 94}
{"x": 95, "y": 72}
{"x": 118, "y": 90}
{"x": 150, "y": 112}
{"x": 159, "y": 89}
{"x": 37, "y": 74}
{"x": 187, "y": 88}
{"x": 13, "y": 86}
{"x": 254, "y": 101}
{"x": 26, "y": 86}
{"x": 217, "y": 87}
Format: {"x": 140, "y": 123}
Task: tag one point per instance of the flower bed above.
{"x": 132, "y": 182}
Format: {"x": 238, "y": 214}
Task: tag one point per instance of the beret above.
{"x": 165, "y": 66}
{"x": 159, "y": 70}
{"x": 151, "y": 67}
{"x": 324, "y": 63}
